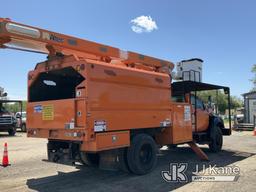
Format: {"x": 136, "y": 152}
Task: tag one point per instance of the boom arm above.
{"x": 23, "y": 37}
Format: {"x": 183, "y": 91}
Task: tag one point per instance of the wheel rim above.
{"x": 146, "y": 154}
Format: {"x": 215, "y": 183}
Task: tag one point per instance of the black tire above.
{"x": 12, "y": 131}
{"x": 142, "y": 154}
{"x": 90, "y": 159}
{"x": 23, "y": 127}
{"x": 217, "y": 141}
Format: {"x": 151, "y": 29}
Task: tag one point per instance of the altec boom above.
{"x": 14, "y": 35}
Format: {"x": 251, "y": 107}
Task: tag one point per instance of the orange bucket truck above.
{"x": 100, "y": 105}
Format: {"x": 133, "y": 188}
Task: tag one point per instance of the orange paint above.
{"x": 114, "y": 92}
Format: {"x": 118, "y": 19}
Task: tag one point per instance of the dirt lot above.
{"x": 28, "y": 171}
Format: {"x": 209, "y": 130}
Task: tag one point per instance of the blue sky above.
{"x": 221, "y": 32}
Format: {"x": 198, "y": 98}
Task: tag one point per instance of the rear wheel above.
{"x": 141, "y": 155}
{"x": 216, "y": 141}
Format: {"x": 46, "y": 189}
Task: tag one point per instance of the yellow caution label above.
{"x": 48, "y": 112}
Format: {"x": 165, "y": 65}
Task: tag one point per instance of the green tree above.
{"x": 253, "y": 80}
{"x": 15, "y": 107}
{"x": 236, "y": 102}
{"x": 220, "y": 99}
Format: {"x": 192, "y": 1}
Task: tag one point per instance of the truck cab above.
{"x": 202, "y": 114}
{"x": 208, "y": 127}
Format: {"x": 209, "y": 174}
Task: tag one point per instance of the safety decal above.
{"x": 38, "y": 109}
{"x": 48, "y": 112}
{"x": 100, "y": 125}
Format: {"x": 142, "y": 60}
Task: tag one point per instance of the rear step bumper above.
{"x": 58, "y": 134}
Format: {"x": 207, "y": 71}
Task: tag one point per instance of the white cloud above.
{"x": 143, "y": 24}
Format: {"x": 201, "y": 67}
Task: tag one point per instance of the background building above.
{"x": 249, "y": 106}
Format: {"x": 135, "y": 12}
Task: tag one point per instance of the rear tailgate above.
{"x": 55, "y": 119}
{"x": 54, "y": 114}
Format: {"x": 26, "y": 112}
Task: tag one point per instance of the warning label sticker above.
{"x": 187, "y": 113}
{"x": 100, "y": 125}
{"x": 48, "y": 112}
{"x": 38, "y": 109}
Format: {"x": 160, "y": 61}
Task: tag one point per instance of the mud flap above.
{"x": 109, "y": 160}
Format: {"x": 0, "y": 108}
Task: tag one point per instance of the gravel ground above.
{"x": 29, "y": 171}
